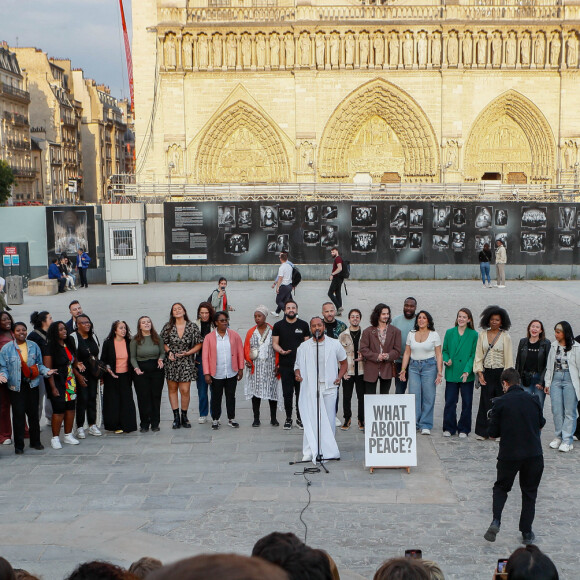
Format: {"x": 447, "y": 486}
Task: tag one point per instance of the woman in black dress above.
{"x": 119, "y": 414}
{"x": 182, "y": 340}
{"x": 41, "y": 322}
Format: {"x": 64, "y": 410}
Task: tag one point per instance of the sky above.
{"x": 88, "y": 32}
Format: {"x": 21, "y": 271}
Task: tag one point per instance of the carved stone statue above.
{"x": 539, "y": 50}
{"x": 525, "y": 50}
{"x": 496, "y": 50}
{"x": 289, "y": 50}
{"x": 334, "y": 50}
{"x": 436, "y": 50}
{"x": 379, "y": 46}
{"x": 274, "y": 51}
{"x": 364, "y": 48}
{"x": 394, "y": 50}
{"x": 305, "y": 50}
{"x": 467, "y": 46}
{"x": 246, "y": 51}
{"x": 408, "y": 49}
{"x": 187, "y": 51}
{"x": 452, "y": 49}
{"x": 320, "y": 50}
{"x": 349, "y": 49}
{"x": 481, "y": 49}
{"x": 452, "y": 154}
{"x": 555, "y": 46}
{"x": 217, "y": 50}
{"x": 203, "y": 48}
{"x": 261, "y": 50}
{"x": 169, "y": 51}
{"x": 572, "y": 50}
{"x": 422, "y": 49}
{"x": 510, "y": 49}
{"x": 231, "y": 48}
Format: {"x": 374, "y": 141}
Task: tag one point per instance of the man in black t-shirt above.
{"x": 288, "y": 334}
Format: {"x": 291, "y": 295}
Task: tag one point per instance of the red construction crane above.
{"x": 128, "y": 56}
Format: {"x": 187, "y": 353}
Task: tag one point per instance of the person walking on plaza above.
{"x": 262, "y": 364}
{"x": 287, "y": 335}
{"x": 205, "y": 315}
{"x": 516, "y": 419}
{"x": 423, "y": 357}
{"x": 354, "y": 378}
{"x": 319, "y": 370}
{"x": 20, "y": 366}
{"x": 283, "y": 284}
{"x": 41, "y": 322}
{"x": 147, "y": 356}
{"x": 563, "y": 385}
{"x": 223, "y": 367}
{"x": 332, "y": 326}
{"x": 219, "y": 297}
{"x": 405, "y": 323}
{"x": 500, "y": 262}
{"x": 54, "y": 273}
{"x": 532, "y": 358}
{"x": 458, "y": 355}
{"x": 380, "y": 346}
{"x": 83, "y": 261}
{"x": 484, "y": 265}
{"x": 493, "y": 354}
{"x": 336, "y": 280}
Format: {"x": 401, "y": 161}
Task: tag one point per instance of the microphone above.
{"x": 317, "y": 334}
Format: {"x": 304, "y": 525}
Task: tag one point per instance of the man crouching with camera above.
{"x": 517, "y": 419}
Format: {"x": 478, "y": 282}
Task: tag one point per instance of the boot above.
{"x": 176, "y": 421}
{"x": 184, "y": 420}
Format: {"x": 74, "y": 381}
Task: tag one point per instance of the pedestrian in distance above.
{"x": 336, "y": 280}
{"x": 283, "y": 284}
{"x": 484, "y": 265}
{"x": 83, "y": 261}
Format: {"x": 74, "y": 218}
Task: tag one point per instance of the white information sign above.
{"x": 390, "y": 433}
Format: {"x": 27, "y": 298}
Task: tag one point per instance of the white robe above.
{"x": 334, "y": 353}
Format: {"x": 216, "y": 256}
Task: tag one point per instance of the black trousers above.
{"x": 290, "y": 387}
{"x": 284, "y": 294}
{"x": 61, "y": 284}
{"x": 118, "y": 405}
{"x": 149, "y": 388}
{"x": 83, "y": 275}
{"x": 348, "y": 385}
{"x": 530, "y": 471}
{"x": 256, "y": 408}
{"x": 384, "y": 386}
{"x": 218, "y": 388}
{"x": 489, "y": 391}
{"x": 87, "y": 401}
{"x": 25, "y": 404}
{"x": 334, "y": 292}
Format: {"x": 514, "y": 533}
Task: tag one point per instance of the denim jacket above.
{"x": 11, "y": 368}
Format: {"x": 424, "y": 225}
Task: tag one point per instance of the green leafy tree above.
{"x": 6, "y": 181}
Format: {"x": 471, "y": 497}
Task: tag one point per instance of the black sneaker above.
{"x": 299, "y": 423}
{"x": 288, "y": 424}
{"x": 492, "y": 531}
{"x": 233, "y": 423}
{"x": 215, "y": 425}
{"x": 274, "y": 423}
{"x": 256, "y": 423}
{"x": 155, "y": 429}
{"x": 144, "y": 430}
{"x": 528, "y": 538}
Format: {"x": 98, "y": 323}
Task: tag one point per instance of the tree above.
{"x": 6, "y": 181}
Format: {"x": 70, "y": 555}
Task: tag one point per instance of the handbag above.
{"x": 476, "y": 382}
{"x": 97, "y": 367}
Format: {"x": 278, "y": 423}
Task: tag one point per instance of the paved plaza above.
{"x": 177, "y": 493}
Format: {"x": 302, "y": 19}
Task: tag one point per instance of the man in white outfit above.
{"x": 327, "y": 374}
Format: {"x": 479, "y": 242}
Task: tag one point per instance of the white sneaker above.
{"x": 479, "y": 438}
{"x": 501, "y": 286}
{"x": 94, "y": 430}
{"x": 337, "y": 422}
{"x": 274, "y": 313}
{"x": 55, "y": 443}
{"x": 556, "y": 443}
{"x": 565, "y": 447}
{"x": 425, "y": 431}
{"x": 446, "y": 434}
{"x": 462, "y": 435}
{"x": 7, "y": 442}
{"x": 81, "y": 433}
{"x": 70, "y": 439}
{"x": 202, "y": 420}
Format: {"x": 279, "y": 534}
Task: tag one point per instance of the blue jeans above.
{"x": 202, "y": 389}
{"x": 564, "y": 402}
{"x": 452, "y": 391}
{"x": 421, "y": 381}
{"x": 533, "y": 390}
{"x": 485, "y": 268}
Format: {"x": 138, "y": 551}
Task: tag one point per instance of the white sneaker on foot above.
{"x": 565, "y": 447}
{"x": 95, "y": 431}
{"x": 7, "y": 442}
{"x": 555, "y": 443}
{"x": 479, "y": 438}
{"x": 55, "y": 443}
{"x": 202, "y": 419}
{"x": 446, "y": 434}
{"x": 274, "y": 313}
{"x": 462, "y": 435}
{"x": 70, "y": 439}
{"x": 425, "y": 431}
{"x": 81, "y": 433}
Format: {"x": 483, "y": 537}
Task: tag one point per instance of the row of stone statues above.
{"x": 286, "y": 50}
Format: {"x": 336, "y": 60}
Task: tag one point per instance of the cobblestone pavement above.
{"x": 177, "y": 493}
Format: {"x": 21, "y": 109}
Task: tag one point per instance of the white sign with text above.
{"x": 390, "y": 433}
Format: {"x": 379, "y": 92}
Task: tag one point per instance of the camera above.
{"x": 418, "y": 554}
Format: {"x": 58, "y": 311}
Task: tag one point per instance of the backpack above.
{"x": 296, "y": 276}
{"x": 345, "y": 269}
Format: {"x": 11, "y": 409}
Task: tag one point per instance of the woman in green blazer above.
{"x": 458, "y": 354}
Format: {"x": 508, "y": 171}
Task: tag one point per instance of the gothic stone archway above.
{"x": 379, "y": 128}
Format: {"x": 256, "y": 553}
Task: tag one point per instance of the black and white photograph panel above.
{"x": 534, "y": 217}
{"x": 416, "y": 217}
{"x": 312, "y": 237}
{"x": 329, "y": 212}
{"x": 287, "y": 215}
{"x": 226, "y": 216}
{"x": 363, "y": 242}
{"x": 501, "y": 217}
{"x": 329, "y": 236}
{"x": 441, "y": 217}
{"x": 483, "y": 217}
{"x": 440, "y": 242}
{"x": 398, "y": 242}
{"x": 566, "y": 217}
{"x": 236, "y": 244}
{"x": 278, "y": 243}
{"x": 503, "y": 237}
{"x": 566, "y": 241}
{"x": 459, "y": 216}
{"x": 363, "y": 216}
{"x": 458, "y": 241}
{"x": 533, "y": 242}
{"x": 244, "y": 217}
{"x": 268, "y": 216}
{"x": 399, "y": 217}
{"x": 311, "y": 214}
{"x": 416, "y": 240}
{"x": 480, "y": 241}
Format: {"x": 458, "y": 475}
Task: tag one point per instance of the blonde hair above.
{"x": 434, "y": 571}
